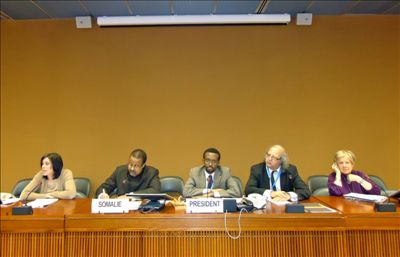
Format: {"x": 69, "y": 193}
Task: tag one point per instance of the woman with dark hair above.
{"x": 52, "y": 179}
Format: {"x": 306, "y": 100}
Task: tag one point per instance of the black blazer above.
{"x": 146, "y": 182}
{"x": 290, "y": 180}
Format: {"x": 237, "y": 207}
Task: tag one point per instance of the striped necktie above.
{"x": 209, "y": 181}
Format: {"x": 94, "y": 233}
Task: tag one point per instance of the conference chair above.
{"x": 378, "y": 181}
{"x": 19, "y": 186}
{"x": 83, "y": 186}
{"x": 239, "y": 182}
{"x": 323, "y": 191}
{"x": 316, "y": 182}
{"x": 384, "y": 190}
{"x": 172, "y": 185}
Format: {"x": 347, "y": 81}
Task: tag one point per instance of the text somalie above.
{"x": 110, "y": 204}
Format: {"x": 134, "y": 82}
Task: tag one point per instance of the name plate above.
{"x": 204, "y": 205}
{"x": 110, "y": 205}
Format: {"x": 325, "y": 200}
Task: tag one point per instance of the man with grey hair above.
{"x": 276, "y": 179}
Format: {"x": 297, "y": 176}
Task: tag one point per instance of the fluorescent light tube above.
{"x": 192, "y": 20}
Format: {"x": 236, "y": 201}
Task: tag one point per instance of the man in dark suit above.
{"x": 211, "y": 179}
{"x": 135, "y": 177}
{"x": 276, "y": 179}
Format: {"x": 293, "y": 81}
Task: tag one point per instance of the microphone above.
{"x": 25, "y": 209}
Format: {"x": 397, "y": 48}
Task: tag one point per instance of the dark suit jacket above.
{"x": 146, "y": 182}
{"x": 222, "y": 180}
{"x": 290, "y": 181}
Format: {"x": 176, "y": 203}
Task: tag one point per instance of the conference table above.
{"x": 68, "y": 228}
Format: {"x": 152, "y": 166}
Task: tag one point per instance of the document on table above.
{"x": 279, "y": 202}
{"x": 134, "y": 205}
{"x": 40, "y": 203}
{"x": 7, "y": 198}
{"x": 317, "y": 208}
{"x": 365, "y": 197}
{"x": 10, "y": 201}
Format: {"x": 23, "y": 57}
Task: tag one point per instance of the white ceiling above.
{"x": 39, "y": 9}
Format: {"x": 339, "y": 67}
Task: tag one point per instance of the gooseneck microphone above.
{"x": 25, "y": 209}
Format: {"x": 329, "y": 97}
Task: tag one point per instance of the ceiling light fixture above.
{"x": 104, "y": 21}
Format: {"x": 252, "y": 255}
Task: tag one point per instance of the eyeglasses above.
{"x": 135, "y": 166}
{"x": 273, "y": 158}
{"x": 208, "y": 161}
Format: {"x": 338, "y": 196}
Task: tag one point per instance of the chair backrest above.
{"x": 317, "y": 181}
{"x": 172, "y": 184}
{"x": 323, "y": 191}
{"x": 82, "y": 187}
{"x": 19, "y": 186}
{"x": 239, "y": 182}
{"x": 378, "y": 181}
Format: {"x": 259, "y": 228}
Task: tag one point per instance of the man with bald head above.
{"x": 276, "y": 179}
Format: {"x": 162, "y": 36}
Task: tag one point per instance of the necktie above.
{"x": 273, "y": 181}
{"x": 209, "y": 181}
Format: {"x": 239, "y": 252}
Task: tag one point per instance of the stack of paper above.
{"x": 364, "y": 197}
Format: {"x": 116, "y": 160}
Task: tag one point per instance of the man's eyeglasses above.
{"x": 135, "y": 166}
{"x": 273, "y": 158}
{"x": 208, "y": 161}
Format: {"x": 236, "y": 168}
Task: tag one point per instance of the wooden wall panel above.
{"x": 94, "y": 95}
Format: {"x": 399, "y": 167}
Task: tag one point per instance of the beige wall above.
{"x": 94, "y": 95}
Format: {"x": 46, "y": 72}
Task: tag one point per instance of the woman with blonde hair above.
{"x": 344, "y": 179}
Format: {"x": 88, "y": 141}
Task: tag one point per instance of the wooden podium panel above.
{"x": 369, "y": 233}
{"x": 39, "y": 234}
{"x": 32, "y": 244}
{"x": 268, "y": 232}
{"x": 205, "y": 243}
{"x": 68, "y": 228}
{"x": 361, "y": 215}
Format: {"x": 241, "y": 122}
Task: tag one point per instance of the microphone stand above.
{"x": 25, "y": 209}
